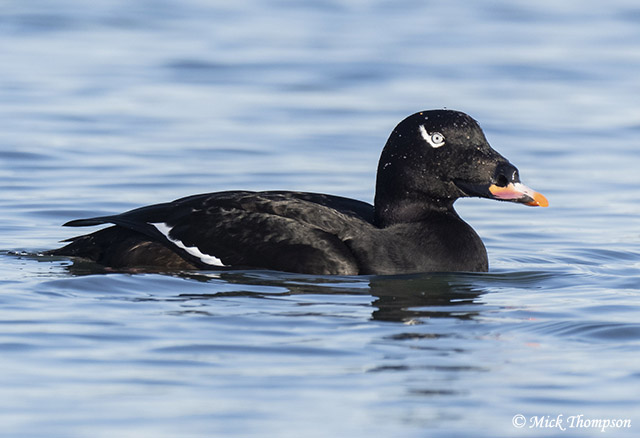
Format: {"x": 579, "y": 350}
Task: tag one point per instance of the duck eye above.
{"x": 437, "y": 140}
{"x": 434, "y": 139}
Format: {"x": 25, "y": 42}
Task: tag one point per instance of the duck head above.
{"x": 433, "y": 158}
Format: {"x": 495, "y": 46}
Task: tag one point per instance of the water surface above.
{"x": 114, "y": 105}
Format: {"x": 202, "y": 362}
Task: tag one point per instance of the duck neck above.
{"x": 396, "y": 211}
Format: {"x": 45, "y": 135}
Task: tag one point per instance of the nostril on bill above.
{"x": 502, "y": 181}
{"x": 505, "y": 174}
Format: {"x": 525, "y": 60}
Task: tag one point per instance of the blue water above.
{"x": 110, "y": 105}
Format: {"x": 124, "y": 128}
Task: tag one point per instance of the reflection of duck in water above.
{"x": 406, "y": 298}
{"x": 411, "y": 298}
{"x": 431, "y": 159}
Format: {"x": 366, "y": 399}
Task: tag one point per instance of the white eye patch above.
{"x": 435, "y": 139}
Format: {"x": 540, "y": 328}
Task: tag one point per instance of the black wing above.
{"x": 288, "y": 231}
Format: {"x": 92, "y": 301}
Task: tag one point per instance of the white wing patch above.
{"x": 193, "y": 250}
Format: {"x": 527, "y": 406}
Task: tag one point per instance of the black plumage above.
{"x": 431, "y": 159}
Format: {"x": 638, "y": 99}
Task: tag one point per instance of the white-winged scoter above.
{"x": 431, "y": 159}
